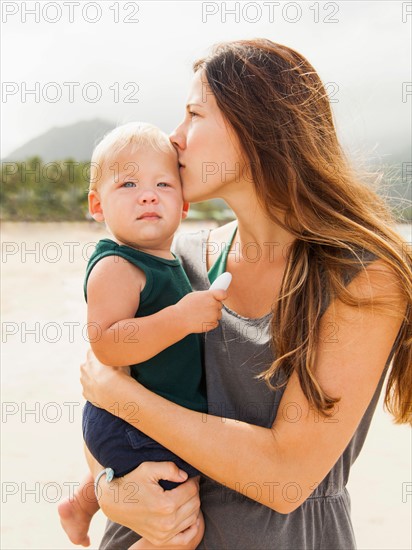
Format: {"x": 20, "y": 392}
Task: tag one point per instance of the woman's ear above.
{"x": 185, "y": 210}
{"x": 95, "y": 206}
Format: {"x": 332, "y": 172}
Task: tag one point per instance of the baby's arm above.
{"x": 119, "y": 339}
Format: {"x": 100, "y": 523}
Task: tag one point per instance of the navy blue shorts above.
{"x": 116, "y": 444}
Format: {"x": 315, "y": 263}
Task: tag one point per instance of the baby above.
{"x": 140, "y": 307}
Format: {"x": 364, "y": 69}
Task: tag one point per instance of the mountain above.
{"x": 61, "y": 142}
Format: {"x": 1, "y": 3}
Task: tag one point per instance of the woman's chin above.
{"x": 193, "y": 199}
{"x": 191, "y": 195}
{"x": 195, "y": 193}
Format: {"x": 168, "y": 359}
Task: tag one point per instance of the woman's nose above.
{"x": 177, "y": 137}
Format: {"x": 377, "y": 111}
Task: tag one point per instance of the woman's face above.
{"x": 208, "y": 148}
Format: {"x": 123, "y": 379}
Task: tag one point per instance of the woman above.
{"x": 319, "y": 305}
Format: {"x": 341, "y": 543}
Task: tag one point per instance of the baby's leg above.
{"x": 76, "y": 513}
{"x": 144, "y": 544}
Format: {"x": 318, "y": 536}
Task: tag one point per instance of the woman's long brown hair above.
{"x": 275, "y": 101}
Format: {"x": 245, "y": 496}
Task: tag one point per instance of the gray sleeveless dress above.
{"x": 238, "y": 349}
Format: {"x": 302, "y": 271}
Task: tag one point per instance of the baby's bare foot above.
{"x": 75, "y": 520}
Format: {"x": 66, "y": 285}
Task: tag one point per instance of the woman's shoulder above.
{"x": 218, "y": 240}
{"x": 378, "y": 280}
{"x": 188, "y": 246}
{"x": 185, "y": 243}
{"x": 193, "y": 247}
{"x": 223, "y": 233}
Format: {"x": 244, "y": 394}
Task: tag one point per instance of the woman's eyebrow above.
{"x": 193, "y": 105}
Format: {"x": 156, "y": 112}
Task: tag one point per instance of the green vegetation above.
{"x": 57, "y": 191}
{"x": 35, "y": 191}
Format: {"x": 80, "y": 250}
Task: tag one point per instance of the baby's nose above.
{"x": 148, "y": 197}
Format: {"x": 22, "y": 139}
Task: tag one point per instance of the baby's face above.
{"x": 141, "y": 197}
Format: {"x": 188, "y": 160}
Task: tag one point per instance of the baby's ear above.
{"x": 95, "y": 206}
{"x": 185, "y": 210}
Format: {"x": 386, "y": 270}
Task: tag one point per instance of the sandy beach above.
{"x": 44, "y": 342}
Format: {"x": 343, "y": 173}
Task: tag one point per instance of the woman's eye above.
{"x": 129, "y": 184}
{"x": 192, "y": 114}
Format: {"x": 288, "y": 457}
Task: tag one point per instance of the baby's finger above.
{"x": 207, "y": 327}
{"x": 219, "y": 294}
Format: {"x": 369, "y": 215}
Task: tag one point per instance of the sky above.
{"x": 123, "y": 61}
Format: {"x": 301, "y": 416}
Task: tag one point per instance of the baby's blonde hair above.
{"x": 134, "y": 134}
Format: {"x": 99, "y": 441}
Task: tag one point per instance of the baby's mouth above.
{"x": 149, "y": 216}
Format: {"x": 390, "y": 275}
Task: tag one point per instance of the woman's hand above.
{"x": 138, "y": 502}
{"x": 99, "y": 381}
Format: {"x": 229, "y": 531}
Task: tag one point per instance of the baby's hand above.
{"x": 201, "y": 311}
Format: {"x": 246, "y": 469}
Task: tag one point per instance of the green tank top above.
{"x": 176, "y": 373}
{"x": 219, "y": 266}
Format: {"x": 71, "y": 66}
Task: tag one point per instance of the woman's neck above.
{"x": 257, "y": 230}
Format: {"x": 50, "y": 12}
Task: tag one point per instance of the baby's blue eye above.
{"x": 129, "y": 184}
{"x": 163, "y": 183}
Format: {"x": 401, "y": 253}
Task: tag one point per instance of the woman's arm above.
{"x": 292, "y": 454}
